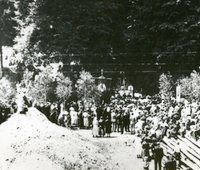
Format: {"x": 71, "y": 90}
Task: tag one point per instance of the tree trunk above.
{"x": 1, "y": 60}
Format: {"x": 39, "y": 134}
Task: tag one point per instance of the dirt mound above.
{"x": 30, "y": 142}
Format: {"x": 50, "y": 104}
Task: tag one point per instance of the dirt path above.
{"x": 31, "y": 142}
{"x": 120, "y": 150}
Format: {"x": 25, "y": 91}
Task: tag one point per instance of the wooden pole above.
{"x": 1, "y": 36}
{"x": 1, "y": 59}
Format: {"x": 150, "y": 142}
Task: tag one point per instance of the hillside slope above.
{"x": 30, "y": 142}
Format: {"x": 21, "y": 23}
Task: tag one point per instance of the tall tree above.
{"x": 8, "y": 27}
{"x": 24, "y": 8}
{"x": 163, "y": 30}
{"x": 86, "y": 28}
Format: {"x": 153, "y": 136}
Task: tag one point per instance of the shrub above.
{"x": 86, "y": 89}
{"x": 42, "y": 87}
{"x": 7, "y": 91}
{"x": 64, "y": 87}
{"x": 165, "y": 87}
{"x": 190, "y": 86}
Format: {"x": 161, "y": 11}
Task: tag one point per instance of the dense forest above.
{"x": 127, "y": 38}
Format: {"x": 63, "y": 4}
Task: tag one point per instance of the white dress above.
{"x": 74, "y": 117}
{"x": 95, "y": 129}
{"x": 86, "y": 119}
{"x": 61, "y": 115}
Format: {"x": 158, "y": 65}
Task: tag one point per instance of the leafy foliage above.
{"x": 142, "y": 31}
{"x": 164, "y": 29}
{"x": 8, "y": 23}
{"x": 64, "y": 87}
{"x": 190, "y": 86}
{"x": 8, "y": 27}
{"x": 86, "y": 88}
{"x": 7, "y": 91}
{"x": 42, "y": 88}
{"x": 78, "y": 27}
{"x": 47, "y": 85}
{"x": 24, "y": 8}
{"x": 156, "y": 30}
{"x": 165, "y": 86}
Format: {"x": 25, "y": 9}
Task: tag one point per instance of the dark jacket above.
{"x": 158, "y": 153}
{"x": 170, "y": 165}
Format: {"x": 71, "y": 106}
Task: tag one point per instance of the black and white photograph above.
{"x": 99, "y": 85}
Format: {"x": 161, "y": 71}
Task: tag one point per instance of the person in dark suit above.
{"x": 170, "y": 164}
{"x": 118, "y": 120}
{"x": 108, "y": 126}
{"x": 101, "y": 127}
{"x": 99, "y": 112}
{"x": 158, "y": 155}
{"x": 145, "y": 149}
{"x": 122, "y": 122}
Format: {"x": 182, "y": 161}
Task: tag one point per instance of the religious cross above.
{"x": 102, "y": 76}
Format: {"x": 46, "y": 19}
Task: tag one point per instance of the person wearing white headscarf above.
{"x": 95, "y": 129}
{"x": 86, "y": 119}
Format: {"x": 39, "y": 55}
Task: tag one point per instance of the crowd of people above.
{"x": 143, "y": 116}
{"x": 150, "y": 118}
